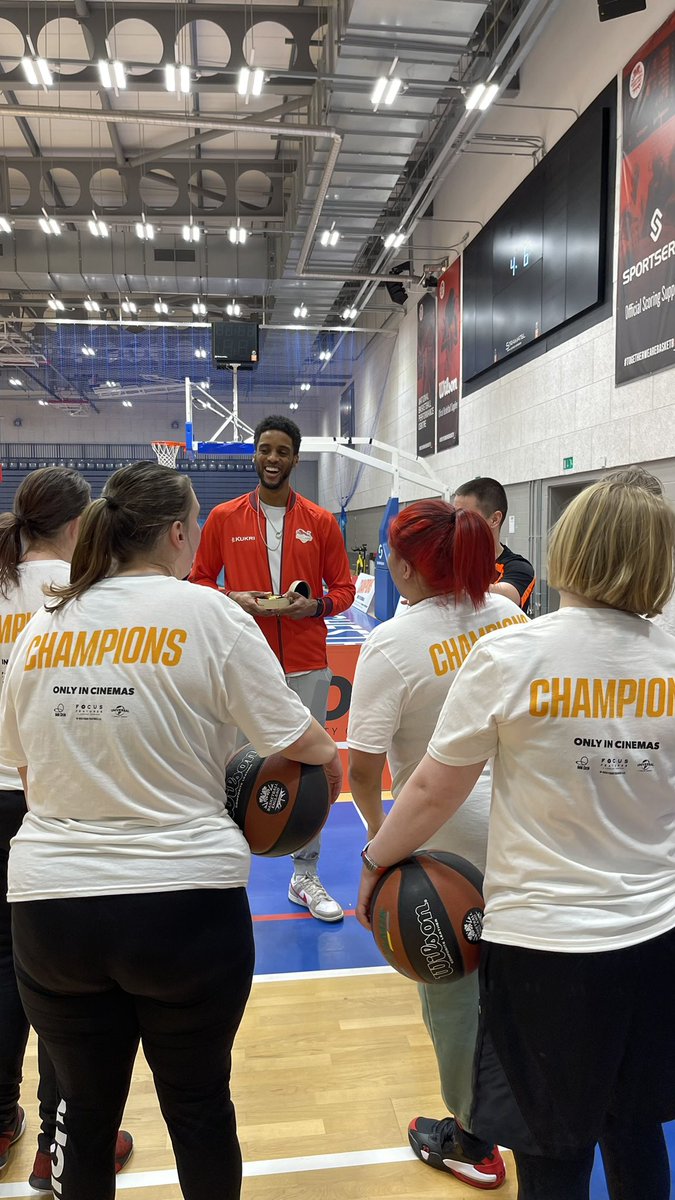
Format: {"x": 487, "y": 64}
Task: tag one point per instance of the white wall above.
{"x": 563, "y": 404}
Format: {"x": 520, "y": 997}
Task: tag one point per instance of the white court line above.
{"x": 338, "y": 973}
{"x": 270, "y": 1166}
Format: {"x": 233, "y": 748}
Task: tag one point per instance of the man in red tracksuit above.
{"x": 265, "y": 541}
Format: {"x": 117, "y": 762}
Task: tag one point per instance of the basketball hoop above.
{"x": 167, "y": 452}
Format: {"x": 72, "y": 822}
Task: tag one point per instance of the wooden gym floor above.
{"x": 331, "y": 1063}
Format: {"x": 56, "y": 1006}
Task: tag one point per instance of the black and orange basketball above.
{"x": 279, "y": 805}
{"x": 427, "y": 916}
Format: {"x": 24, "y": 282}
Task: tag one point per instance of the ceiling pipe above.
{"x": 228, "y": 125}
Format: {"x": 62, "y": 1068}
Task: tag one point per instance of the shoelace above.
{"x": 314, "y": 888}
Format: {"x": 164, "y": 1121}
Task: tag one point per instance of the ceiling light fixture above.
{"x": 49, "y": 225}
{"x": 304, "y": 387}
{"x": 200, "y": 353}
{"x": 56, "y": 305}
{"x": 112, "y": 75}
{"x": 92, "y": 305}
{"x": 161, "y": 306}
{"x": 5, "y": 226}
{"x": 293, "y": 407}
{"x": 36, "y": 69}
{"x": 112, "y": 383}
{"x": 127, "y": 404}
{"x": 325, "y": 355}
{"x": 386, "y": 90}
{"x": 128, "y": 306}
{"x": 300, "y": 311}
{"x": 481, "y": 96}
{"x": 88, "y": 351}
{"x": 393, "y": 240}
{"x": 233, "y": 310}
{"x": 177, "y": 79}
{"x": 236, "y": 233}
{"x": 350, "y": 314}
{"x": 250, "y": 82}
{"x": 330, "y": 237}
{"x": 44, "y": 403}
{"x": 191, "y": 233}
{"x": 14, "y": 382}
{"x": 144, "y": 230}
{"x": 97, "y": 227}
{"x": 199, "y": 308}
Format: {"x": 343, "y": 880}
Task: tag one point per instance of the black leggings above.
{"x": 636, "y": 1167}
{"x": 172, "y": 970}
{"x": 13, "y": 1022}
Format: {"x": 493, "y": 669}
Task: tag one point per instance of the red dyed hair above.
{"x": 452, "y": 549}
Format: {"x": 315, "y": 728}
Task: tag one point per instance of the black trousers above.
{"x": 13, "y": 1020}
{"x": 172, "y": 970}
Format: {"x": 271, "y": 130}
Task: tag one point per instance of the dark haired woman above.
{"x": 442, "y": 562}
{"x": 128, "y": 876}
{"x": 36, "y": 544}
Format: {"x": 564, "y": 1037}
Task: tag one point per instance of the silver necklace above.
{"x": 278, "y": 532}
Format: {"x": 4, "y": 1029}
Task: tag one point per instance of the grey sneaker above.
{"x": 309, "y": 892}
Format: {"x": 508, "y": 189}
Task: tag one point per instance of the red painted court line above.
{"x": 304, "y": 916}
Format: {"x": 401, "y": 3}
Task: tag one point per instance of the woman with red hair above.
{"x": 442, "y": 562}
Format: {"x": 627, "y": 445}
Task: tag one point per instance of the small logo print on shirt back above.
{"x": 303, "y": 535}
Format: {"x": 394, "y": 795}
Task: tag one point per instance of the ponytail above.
{"x": 44, "y": 502}
{"x": 452, "y": 550}
{"x": 138, "y": 504}
{"x": 10, "y": 552}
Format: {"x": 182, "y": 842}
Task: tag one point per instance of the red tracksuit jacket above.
{"x": 312, "y": 548}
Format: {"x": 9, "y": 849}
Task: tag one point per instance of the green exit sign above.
{"x": 568, "y": 463}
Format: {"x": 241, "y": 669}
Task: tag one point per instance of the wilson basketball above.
{"x": 427, "y": 916}
{"x": 279, "y": 805}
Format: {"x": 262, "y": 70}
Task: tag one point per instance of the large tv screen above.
{"x": 234, "y": 342}
{"x": 540, "y": 261}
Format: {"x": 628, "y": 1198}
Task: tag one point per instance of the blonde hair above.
{"x": 614, "y": 544}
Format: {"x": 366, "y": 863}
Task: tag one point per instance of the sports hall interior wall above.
{"x": 214, "y": 480}
{"x": 563, "y": 404}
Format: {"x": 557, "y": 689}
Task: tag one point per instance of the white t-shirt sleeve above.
{"x": 258, "y": 699}
{"x": 378, "y": 697}
{"x": 12, "y": 753}
{"x": 467, "y": 727}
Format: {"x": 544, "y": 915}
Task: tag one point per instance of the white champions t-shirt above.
{"x": 402, "y": 678}
{"x": 125, "y": 705}
{"x": 578, "y": 709}
{"x": 16, "y": 610}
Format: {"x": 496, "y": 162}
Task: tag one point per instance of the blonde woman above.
{"x": 576, "y": 1041}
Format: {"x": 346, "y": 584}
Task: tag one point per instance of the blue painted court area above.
{"x": 286, "y": 937}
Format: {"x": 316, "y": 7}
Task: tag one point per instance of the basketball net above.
{"x": 167, "y": 452}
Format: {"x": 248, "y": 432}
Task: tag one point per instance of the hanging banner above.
{"x": 645, "y": 307}
{"x": 449, "y": 356}
{"x": 426, "y": 376}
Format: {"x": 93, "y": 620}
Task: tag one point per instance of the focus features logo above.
{"x": 656, "y": 225}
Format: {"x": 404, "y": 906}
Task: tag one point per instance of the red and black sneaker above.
{"x": 40, "y": 1177}
{"x": 9, "y": 1136}
{"x": 437, "y": 1144}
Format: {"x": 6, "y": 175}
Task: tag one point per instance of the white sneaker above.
{"x": 309, "y": 892}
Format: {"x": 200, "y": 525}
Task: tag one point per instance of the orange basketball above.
{"x": 427, "y": 916}
{"x": 279, "y": 805}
